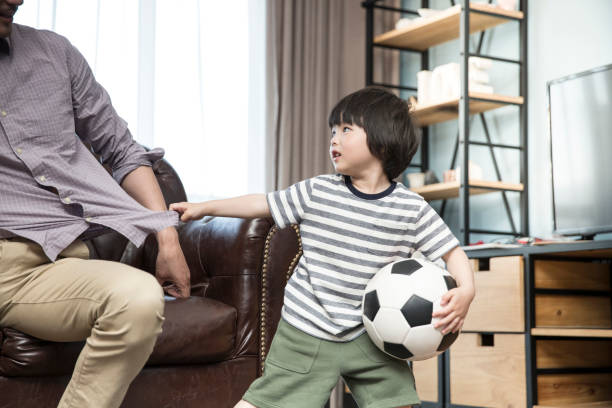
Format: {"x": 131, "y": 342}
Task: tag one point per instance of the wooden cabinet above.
{"x": 564, "y": 342}
{"x": 557, "y": 358}
{"x": 572, "y": 294}
{"x": 426, "y": 377}
{"x": 488, "y": 370}
{"x": 499, "y": 302}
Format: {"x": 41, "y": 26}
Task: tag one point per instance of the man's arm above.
{"x": 171, "y": 266}
{"x": 97, "y": 123}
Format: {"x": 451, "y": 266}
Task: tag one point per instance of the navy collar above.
{"x": 351, "y": 187}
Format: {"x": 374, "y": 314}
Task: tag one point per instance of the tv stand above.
{"x": 541, "y": 321}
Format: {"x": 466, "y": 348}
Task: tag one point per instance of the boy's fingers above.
{"x": 449, "y": 326}
{"x": 444, "y": 321}
{"x": 446, "y": 297}
{"x": 439, "y": 312}
{"x": 459, "y": 325}
{"x": 454, "y": 325}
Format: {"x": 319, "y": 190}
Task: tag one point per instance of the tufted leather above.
{"x": 213, "y": 344}
{"x": 196, "y": 330}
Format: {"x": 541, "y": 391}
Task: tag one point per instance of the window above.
{"x": 187, "y": 76}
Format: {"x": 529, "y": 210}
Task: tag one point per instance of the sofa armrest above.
{"x": 282, "y": 252}
{"x": 244, "y": 263}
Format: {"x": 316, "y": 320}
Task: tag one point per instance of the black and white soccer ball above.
{"x": 397, "y": 309}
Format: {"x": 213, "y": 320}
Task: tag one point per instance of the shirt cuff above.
{"x": 275, "y": 211}
{"x": 144, "y": 158}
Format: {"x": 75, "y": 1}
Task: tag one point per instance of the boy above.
{"x": 351, "y": 225}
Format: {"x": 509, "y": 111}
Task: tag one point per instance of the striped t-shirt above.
{"x": 347, "y": 236}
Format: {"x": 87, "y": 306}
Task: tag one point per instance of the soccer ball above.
{"x": 397, "y": 306}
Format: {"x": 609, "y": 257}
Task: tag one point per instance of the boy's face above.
{"x": 349, "y": 151}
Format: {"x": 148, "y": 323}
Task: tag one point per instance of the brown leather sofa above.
{"x": 213, "y": 344}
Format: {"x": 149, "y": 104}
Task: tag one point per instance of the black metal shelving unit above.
{"x": 462, "y": 140}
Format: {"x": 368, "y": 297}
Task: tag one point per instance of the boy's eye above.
{"x": 346, "y": 129}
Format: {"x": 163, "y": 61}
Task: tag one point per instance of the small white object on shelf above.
{"x": 507, "y": 4}
{"x": 423, "y": 87}
{"x": 404, "y": 22}
{"x": 475, "y": 171}
{"x": 416, "y": 180}
{"x": 423, "y": 13}
{"x": 444, "y": 82}
{"x": 427, "y": 12}
{"x": 480, "y": 63}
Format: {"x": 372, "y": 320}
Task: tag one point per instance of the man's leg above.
{"x": 116, "y": 308}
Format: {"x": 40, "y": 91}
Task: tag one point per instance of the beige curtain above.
{"x": 315, "y": 56}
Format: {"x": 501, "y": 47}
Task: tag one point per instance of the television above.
{"x": 580, "y": 116}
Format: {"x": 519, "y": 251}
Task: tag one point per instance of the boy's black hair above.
{"x": 386, "y": 120}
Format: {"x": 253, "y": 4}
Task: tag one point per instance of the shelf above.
{"x": 448, "y": 110}
{"x": 604, "y": 333}
{"x": 450, "y": 189}
{"x": 596, "y": 253}
{"x": 600, "y": 404}
{"x": 444, "y": 27}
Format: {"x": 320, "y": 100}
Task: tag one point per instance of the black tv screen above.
{"x": 580, "y": 113}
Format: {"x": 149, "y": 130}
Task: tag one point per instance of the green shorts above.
{"x": 301, "y": 371}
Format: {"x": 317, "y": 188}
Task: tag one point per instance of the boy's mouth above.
{"x": 335, "y": 154}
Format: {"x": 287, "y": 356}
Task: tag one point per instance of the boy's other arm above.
{"x": 247, "y": 206}
{"x": 456, "y": 302}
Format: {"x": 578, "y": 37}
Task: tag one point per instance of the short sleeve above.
{"x": 288, "y": 206}
{"x": 433, "y": 237}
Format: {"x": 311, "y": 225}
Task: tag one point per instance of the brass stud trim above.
{"x": 264, "y": 281}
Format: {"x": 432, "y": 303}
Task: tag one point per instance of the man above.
{"x": 54, "y": 194}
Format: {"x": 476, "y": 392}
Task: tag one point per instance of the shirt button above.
{"x": 67, "y": 200}
{"x": 3, "y": 113}
{"x": 42, "y": 178}
{"x": 88, "y": 219}
{"x": 18, "y": 150}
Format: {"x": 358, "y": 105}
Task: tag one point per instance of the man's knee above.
{"x": 136, "y": 306}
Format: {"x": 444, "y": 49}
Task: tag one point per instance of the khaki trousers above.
{"x": 117, "y": 309}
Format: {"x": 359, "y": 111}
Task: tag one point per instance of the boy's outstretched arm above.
{"x": 247, "y": 206}
{"x": 456, "y": 302}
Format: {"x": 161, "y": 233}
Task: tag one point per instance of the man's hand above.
{"x": 171, "y": 266}
{"x": 455, "y": 304}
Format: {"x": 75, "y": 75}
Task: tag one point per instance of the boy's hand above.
{"x": 188, "y": 211}
{"x": 455, "y": 304}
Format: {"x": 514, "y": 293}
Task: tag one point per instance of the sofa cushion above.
{"x": 196, "y": 330}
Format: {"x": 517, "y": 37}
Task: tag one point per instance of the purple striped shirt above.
{"x": 53, "y": 190}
